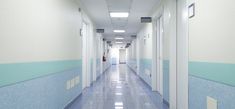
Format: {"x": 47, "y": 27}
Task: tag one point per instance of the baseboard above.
{"x": 140, "y": 78}
{"x": 132, "y": 69}
{"x": 107, "y": 68}
{"x": 98, "y": 77}
{"x": 72, "y": 101}
{"x": 145, "y": 83}
{"x": 166, "y": 102}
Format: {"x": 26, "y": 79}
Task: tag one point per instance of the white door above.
{"x": 122, "y": 56}
{"x": 85, "y": 57}
{"x": 160, "y": 55}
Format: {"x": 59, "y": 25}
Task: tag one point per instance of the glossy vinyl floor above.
{"x": 118, "y": 88}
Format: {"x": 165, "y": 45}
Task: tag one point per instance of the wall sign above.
{"x": 191, "y": 10}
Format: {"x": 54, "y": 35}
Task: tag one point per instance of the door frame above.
{"x": 160, "y": 54}
{"x": 182, "y": 54}
{"x": 138, "y": 55}
{"x": 85, "y": 55}
{"x": 157, "y": 76}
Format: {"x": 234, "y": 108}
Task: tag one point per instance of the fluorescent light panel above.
{"x": 119, "y": 14}
{"x": 118, "y": 93}
{"x": 119, "y": 42}
{"x": 118, "y": 107}
{"x": 119, "y": 31}
{"x": 119, "y": 38}
{"x": 118, "y": 103}
{"x": 118, "y": 87}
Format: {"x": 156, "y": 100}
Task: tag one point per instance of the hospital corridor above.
{"x": 117, "y": 54}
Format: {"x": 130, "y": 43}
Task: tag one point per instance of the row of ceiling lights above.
{"x": 119, "y": 15}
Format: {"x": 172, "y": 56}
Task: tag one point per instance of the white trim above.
{"x": 182, "y": 54}
{"x": 84, "y": 56}
{"x": 157, "y": 77}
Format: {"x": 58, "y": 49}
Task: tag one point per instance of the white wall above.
{"x": 146, "y": 47}
{"x": 211, "y": 45}
{"x": 131, "y": 51}
{"x": 39, "y": 30}
{"x": 211, "y": 31}
{"x": 44, "y": 30}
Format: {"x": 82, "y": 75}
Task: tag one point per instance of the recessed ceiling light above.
{"x": 118, "y": 93}
{"x": 119, "y": 42}
{"x": 118, "y": 103}
{"x": 118, "y": 87}
{"x": 119, "y": 14}
{"x": 118, "y": 107}
{"x": 119, "y": 38}
{"x": 119, "y": 31}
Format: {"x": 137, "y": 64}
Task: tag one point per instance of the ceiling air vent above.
{"x": 100, "y": 30}
{"x": 108, "y": 42}
{"x": 146, "y": 19}
{"x": 133, "y": 36}
{"x": 128, "y": 45}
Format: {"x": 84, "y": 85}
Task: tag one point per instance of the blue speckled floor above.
{"x": 119, "y": 88}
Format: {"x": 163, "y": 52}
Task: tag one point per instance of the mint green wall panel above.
{"x": 18, "y": 72}
{"x": 218, "y": 72}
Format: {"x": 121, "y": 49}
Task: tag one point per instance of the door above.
{"x": 122, "y": 56}
{"x": 85, "y": 57}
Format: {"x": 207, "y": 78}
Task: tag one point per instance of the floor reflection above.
{"x": 119, "y": 88}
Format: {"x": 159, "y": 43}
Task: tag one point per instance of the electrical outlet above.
{"x": 72, "y": 83}
{"x": 77, "y": 80}
{"x": 147, "y": 72}
{"x": 211, "y": 103}
{"x": 68, "y": 85}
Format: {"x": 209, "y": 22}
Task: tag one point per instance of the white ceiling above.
{"x": 99, "y": 12}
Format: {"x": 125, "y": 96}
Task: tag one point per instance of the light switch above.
{"x": 211, "y": 103}
{"x": 68, "y": 85}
